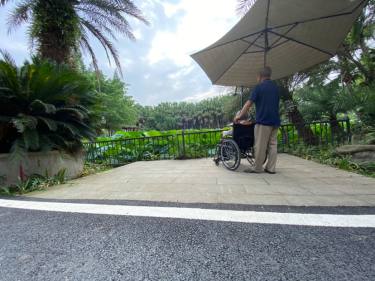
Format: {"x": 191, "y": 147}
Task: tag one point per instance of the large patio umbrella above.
{"x": 287, "y": 35}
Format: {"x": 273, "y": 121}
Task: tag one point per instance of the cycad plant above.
{"x": 43, "y": 106}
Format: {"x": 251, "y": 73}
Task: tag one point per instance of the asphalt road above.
{"x": 40, "y": 245}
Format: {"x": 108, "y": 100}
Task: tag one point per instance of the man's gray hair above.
{"x": 266, "y": 72}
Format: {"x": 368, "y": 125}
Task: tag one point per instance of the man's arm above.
{"x": 244, "y": 110}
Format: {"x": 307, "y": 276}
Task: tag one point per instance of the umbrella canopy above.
{"x": 287, "y": 35}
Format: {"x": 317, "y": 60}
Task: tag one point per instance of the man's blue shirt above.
{"x": 266, "y": 97}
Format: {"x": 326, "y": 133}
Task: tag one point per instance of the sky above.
{"x": 157, "y": 67}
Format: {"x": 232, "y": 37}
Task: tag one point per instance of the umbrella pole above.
{"x": 265, "y": 58}
{"x": 241, "y": 96}
{"x": 266, "y": 45}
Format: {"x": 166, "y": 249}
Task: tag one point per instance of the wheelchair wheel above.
{"x": 250, "y": 157}
{"x": 217, "y": 155}
{"x": 230, "y": 154}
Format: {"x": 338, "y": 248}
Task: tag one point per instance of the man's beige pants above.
{"x": 265, "y": 145}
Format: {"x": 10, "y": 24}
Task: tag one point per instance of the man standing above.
{"x": 266, "y": 98}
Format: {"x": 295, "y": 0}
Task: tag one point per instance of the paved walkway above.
{"x": 298, "y": 183}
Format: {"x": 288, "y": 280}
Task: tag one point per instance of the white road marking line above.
{"x": 327, "y": 220}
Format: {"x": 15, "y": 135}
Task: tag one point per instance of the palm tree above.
{"x": 244, "y": 5}
{"x": 356, "y": 58}
{"x": 60, "y": 27}
{"x": 287, "y": 87}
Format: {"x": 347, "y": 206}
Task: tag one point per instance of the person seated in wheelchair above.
{"x": 237, "y": 143}
{"x": 246, "y": 120}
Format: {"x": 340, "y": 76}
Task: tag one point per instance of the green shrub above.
{"x": 43, "y": 107}
{"x": 34, "y": 182}
{"x": 328, "y": 156}
{"x": 92, "y": 168}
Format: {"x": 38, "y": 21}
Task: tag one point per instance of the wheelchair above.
{"x": 240, "y": 145}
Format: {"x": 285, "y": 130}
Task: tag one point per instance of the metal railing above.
{"x": 185, "y": 145}
{"x": 200, "y": 144}
{"x": 320, "y": 133}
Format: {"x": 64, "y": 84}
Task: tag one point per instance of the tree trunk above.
{"x": 56, "y": 30}
{"x": 296, "y": 118}
{"x": 304, "y": 131}
{"x": 336, "y": 130}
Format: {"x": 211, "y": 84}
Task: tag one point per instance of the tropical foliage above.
{"x": 43, "y": 106}
{"x": 113, "y": 108}
{"x": 211, "y": 113}
{"x": 60, "y": 27}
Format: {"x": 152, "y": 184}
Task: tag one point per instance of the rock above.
{"x": 359, "y": 153}
{"x": 41, "y": 163}
{"x": 350, "y": 149}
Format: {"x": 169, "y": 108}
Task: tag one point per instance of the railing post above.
{"x": 348, "y": 130}
{"x": 333, "y": 136}
{"x": 183, "y": 145}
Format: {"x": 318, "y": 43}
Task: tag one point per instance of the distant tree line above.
{"x": 216, "y": 112}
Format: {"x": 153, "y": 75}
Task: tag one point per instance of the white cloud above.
{"x": 137, "y": 34}
{"x": 182, "y": 72}
{"x": 213, "y": 92}
{"x": 15, "y": 46}
{"x": 148, "y": 8}
{"x": 126, "y": 62}
{"x": 171, "y": 9}
{"x": 201, "y": 23}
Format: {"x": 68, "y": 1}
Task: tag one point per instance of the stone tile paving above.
{"x": 298, "y": 182}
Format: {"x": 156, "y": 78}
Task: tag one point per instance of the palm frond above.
{"x": 31, "y": 139}
{"x": 244, "y": 6}
{"x": 115, "y": 6}
{"x": 100, "y": 17}
{"x": 19, "y": 15}
{"x": 7, "y": 57}
{"x": 3, "y": 2}
{"x": 17, "y": 151}
{"x": 108, "y": 24}
{"x": 68, "y": 128}
{"x": 105, "y": 42}
{"x": 23, "y": 122}
{"x": 38, "y": 105}
{"x": 46, "y": 144}
{"x": 71, "y": 112}
{"x": 51, "y": 124}
{"x": 84, "y": 42}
